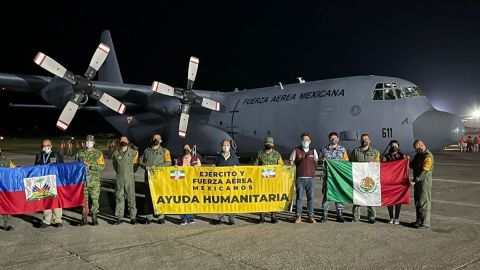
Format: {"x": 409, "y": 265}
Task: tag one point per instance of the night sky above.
{"x": 433, "y": 44}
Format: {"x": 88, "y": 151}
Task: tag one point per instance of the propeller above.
{"x": 187, "y": 96}
{"x": 82, "y": 85}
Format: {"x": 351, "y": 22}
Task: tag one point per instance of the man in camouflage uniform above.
{"x": 364, "y": 153}
{"x": 422, "y": 165}
{"x": 154, "y": 156}
{"x": 6, "y": 163}
{"x": 95, "y": 163}
{"x": 268, "y": 156}
{"x": 125, "y": 163}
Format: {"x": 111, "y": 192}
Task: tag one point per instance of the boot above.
{"x": 274, "y": 218}
{"x": 311, "y": 218}
{"x": 324, "y": 217}
{"x": 262, "y": 218}
{"x": 94, "y": 220}
{"x": 340, "y": 217}
{"x": 84, "y": 220}
{"x": 298, "y": 218}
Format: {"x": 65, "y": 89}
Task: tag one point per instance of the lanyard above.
{"x": 45, "y": 159}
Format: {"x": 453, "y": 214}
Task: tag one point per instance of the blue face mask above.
{"x": 333, "y": 142}
{"x": 305, "y": 144}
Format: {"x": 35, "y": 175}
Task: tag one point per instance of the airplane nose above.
{"x": 438, "y": 129}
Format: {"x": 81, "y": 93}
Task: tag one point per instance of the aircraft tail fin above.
{"x": 110, "y": 71}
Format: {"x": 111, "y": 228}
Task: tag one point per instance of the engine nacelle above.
{"x": 164, "y": 105}
{"x": 57, "y": 92}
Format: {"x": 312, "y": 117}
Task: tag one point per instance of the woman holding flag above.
{"x": 392, "y": 155}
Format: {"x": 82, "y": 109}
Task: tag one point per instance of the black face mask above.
{"x": 155, "y": 142}
{"x": 268, "y": 146}
{"x": 123, "y": 144}
{"x": 393, "y": 149}
{"x": 364, "y": 143}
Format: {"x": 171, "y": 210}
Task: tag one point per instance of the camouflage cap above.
{"x": 269, "y": 140}
{"x": 90, "y": 138}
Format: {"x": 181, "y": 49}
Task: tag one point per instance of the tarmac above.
{"x": 453, "y": 242}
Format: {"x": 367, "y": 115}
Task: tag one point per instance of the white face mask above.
{"x": 305, "y": 144}
{"x": 89, "y": 144}
{"x": 47, "y": 149}
{"x": 225, "y": 148}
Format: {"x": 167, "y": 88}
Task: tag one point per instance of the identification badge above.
{"x": 53, "y": 160}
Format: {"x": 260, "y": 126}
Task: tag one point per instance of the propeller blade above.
{"x": 97, "y": 60}
{"x": 109, "y": 101}
{"x": 54, "y": 67}
{"x": 67, "y": 115}
{"x": 182, "y": 126}
{"x": 192, "y": 71}
{"x": 210, "y": 104}
{"x": 163, "y": 89}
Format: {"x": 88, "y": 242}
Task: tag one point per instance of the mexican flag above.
{"x": 368, "y": 183}
{"x": 177, "y": 174}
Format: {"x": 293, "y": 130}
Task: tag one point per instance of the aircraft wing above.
{"x": 23, "y": 83}
{"x": 34, "y": 84}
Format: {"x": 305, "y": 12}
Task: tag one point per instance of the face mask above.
{"x": 226, "y": 149}
{"x": 333, "y": 142}
{"x": 123, "y": 144}
{"x": 155, "y": 142}
{"x": 186, "y": 151}
{"x": 305, "y": 144}
{"x": 47, "y": 149}
{"x": 419, "y": 150}
{"x": 364, "y": 143}
{"x": 268, "y": 146}
{"x": 89, "y": 144}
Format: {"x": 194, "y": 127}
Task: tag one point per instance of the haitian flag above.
{"x": 368, "y": 183}
{"x": 35, "y": 188}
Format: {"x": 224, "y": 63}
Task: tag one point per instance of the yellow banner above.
{"x": 240, "y": 189}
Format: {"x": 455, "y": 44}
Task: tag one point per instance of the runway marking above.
{"x": 456, "y": 164}
{"x": 456, "y": 181}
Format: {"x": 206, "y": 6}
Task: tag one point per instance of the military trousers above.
{"x": 356, "y": 212}
{"x": 125, "y": 189}
{"x": 422, "y": 196}
{"x": 92, "y": 191}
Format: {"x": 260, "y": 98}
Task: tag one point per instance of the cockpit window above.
{"x": 390, "y": 91}
{"x": 378, "y": 95}
{"x": 389, "y": 94}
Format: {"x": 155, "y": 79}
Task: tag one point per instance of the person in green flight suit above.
{"x": 125, "y": 163}
{"x": 422, "y": 166}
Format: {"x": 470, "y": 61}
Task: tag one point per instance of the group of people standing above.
{"x": 305, "y": 158}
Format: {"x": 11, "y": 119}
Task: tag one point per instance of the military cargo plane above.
{"x": 385, "y": 107}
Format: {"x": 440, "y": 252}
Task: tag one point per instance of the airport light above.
{"x": 476, "y": 114}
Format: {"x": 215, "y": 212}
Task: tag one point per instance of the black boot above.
{"x": 340, "y": 217}
{"x": 262, "y": 218}
{"x": 84, "y": 220}
{"x": 94, "y": 220}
